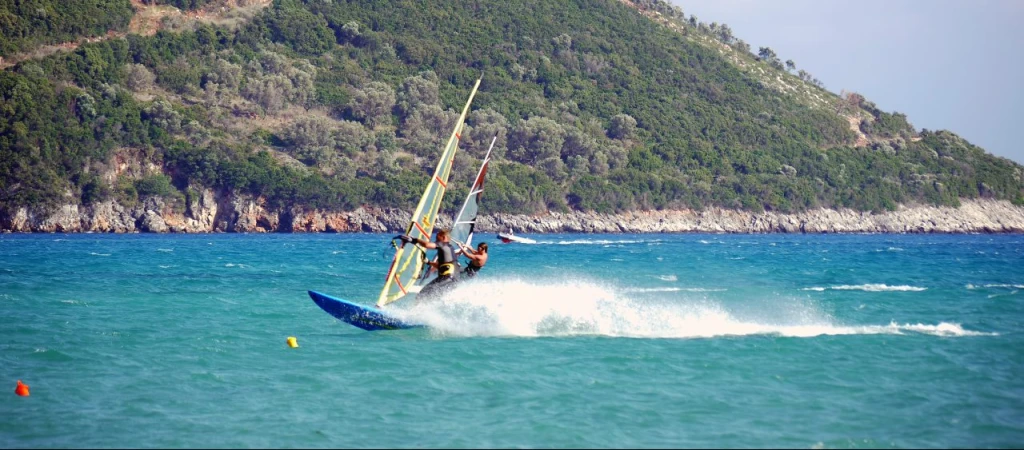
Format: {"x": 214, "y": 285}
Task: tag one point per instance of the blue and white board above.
{"x": 365, "y": 317}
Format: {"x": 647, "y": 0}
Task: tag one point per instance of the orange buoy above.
{"x": 21, "y": 389}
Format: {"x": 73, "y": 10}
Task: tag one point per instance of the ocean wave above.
{"x": 997, "y": 286}
{"x": 604, "y": 242}
{"x": 577, "y": 308}
{"x": 165, "y": 250}
{"x": 99, "y": 254}
{"x": 51, "y": 355}
{"x": 674, "y": 289}
{"x": 667, "y": 277}
{"x": 942, "y": 329}
{"x": 868, "y": 288}
{"x": 654, "y": 289}
{"x": 1000, "y": 289}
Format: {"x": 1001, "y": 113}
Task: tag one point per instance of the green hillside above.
{"x": 342, "y": 103}
{"x": 26, "y": 24}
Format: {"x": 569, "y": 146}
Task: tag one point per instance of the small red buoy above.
{"x": 22, "y": 389}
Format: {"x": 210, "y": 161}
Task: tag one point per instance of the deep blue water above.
{"x": 577, "y": 341}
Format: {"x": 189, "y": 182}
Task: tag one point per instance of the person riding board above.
{"x": 477, "y": 258}
{"x": 445, "y": 261}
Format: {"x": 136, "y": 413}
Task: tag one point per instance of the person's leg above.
{"x": 434, "y": 288}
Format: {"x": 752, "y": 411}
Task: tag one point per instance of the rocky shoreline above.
{"x": 212, "y": 213}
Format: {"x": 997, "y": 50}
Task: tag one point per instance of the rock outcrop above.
{"x": 973, "y": 216}
{"x": 241, "y": 213}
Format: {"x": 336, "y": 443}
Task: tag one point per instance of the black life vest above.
{"x": 446, "y": 261}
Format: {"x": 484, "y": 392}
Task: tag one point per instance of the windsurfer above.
{"x": 444, "y": 262}
{"x": 477, "y": 258}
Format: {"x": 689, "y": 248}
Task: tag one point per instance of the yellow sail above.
{"x": 408, "y": 261}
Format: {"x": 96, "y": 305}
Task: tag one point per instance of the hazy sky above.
{"x": 946, "y": 64}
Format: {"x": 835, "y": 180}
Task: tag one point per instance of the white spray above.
{"x": 576, "y": 307}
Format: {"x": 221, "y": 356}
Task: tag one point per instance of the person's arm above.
{"x": 474, "y": 258}
{"x": 469, "y": 252}
{"x": 420, "y": 242}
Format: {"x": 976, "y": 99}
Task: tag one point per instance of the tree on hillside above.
{"x": 486, "y": 123}
{"x": 768, "y": 55}
{"x": 291, "y": 24}
{"x": 537, "y": 142}
{"x": 372, "y": 104}
{"x": 425, "y": 128}
{"x": 221, "y": 81}
{"x": 742, "y": 46}
{"x": 849, "y": 102}
{"x": 790, "y": 65}
{"x": 162, "y": 115}
{"x": 578, "y": 151}
{"x": 725, "y": 34}
{"x": 139, "y": 78}
{"x": 349, "y": 32}
{"x": 421, "y": 89}
{"x": 623, "y": 126}
{"x": 311, "y": 140}
{"x": 562, "y": 43}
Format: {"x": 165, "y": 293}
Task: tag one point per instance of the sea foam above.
{"x": 580, "y": 308}
{"x": 868, "y": 288}
{"x": 997, "y": 286}
{"x": 603, "y": 242}
{"x": 674, "y": 289}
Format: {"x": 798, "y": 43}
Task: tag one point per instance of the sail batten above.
{"x": 408, "y": 263}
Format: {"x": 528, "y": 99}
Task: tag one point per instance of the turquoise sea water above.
{"x": 576, "y": 341}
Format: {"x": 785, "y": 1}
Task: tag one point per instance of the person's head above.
{"x": 482, "y": 247}
{"x": 442, "y": 236}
